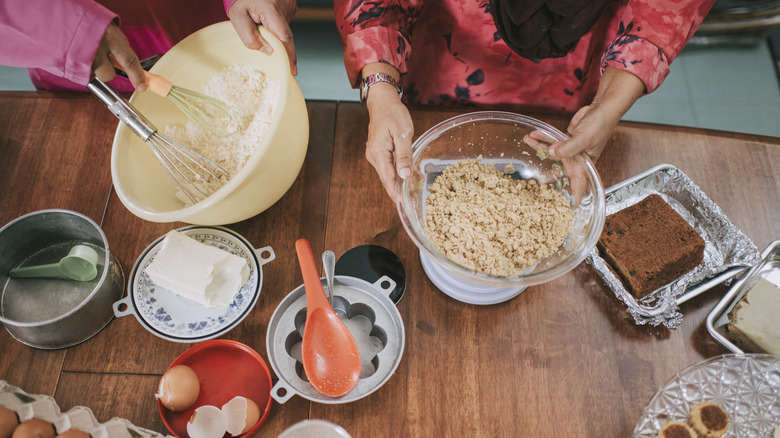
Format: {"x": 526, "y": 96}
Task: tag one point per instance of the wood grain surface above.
{"x": 561, "y": 359}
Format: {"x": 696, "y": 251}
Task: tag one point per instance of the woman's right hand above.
{"x": 115, "y": 43}
{"x": 390, "y": 132}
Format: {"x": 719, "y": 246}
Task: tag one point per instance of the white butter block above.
{"x": 205, "y": 274}
{"x": 757, "y": 316}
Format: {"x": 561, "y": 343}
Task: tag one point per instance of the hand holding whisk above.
{"x": 212, "y": 115}
{"x": 196, "y": 176}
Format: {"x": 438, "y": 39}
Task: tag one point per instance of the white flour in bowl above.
{"x": 246, "y": 88}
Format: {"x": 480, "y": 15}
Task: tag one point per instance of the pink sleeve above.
{"x": 228, "y": 4}
{"x": 374, "y": 31}
{"x": 650, "y": 36}
{"x": 60, "y": 37}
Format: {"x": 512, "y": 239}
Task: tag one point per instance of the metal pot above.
{"x": 53, "y": 313}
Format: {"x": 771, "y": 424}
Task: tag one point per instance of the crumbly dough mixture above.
{"x": 484, "y": 219}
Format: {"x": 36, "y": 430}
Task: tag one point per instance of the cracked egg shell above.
{"x": 207, "y": 422}
{"x": 34, "y": 428}
{"x": 241, "y": 414}
{"x": 179, "y": 388}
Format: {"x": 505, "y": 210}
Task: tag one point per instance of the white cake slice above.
{"x": 754, "y": 323}
{"x": 204, "y": 274}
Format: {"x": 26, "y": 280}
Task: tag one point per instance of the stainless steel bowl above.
{"x": 53, "y": 313}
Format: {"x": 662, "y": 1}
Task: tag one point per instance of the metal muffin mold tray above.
{"x": 27, "y": 406}
{"x": 718, "y": 319}
{"x": 178, "y": 319}
{"x": 371, "y": 317}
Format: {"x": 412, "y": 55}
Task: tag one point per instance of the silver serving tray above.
{"x": 718, "y": 318}
{"x": 727, "y": 252}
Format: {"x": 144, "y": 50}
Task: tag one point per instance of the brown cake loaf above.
{"x": 649, "y": 245}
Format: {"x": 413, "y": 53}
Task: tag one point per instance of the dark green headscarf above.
{"x": 537, "y": 29}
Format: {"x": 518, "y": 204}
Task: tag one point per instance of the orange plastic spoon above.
{"x": 331, "y": 358}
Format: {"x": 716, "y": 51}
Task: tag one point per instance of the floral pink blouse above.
{"x": 449, "y": 52}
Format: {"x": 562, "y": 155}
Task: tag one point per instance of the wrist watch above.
{"x": 372, "y": 79}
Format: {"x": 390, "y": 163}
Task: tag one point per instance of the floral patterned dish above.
{"x": 178, "y": 319}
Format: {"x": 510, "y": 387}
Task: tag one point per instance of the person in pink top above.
{"x": 589, "y": 58}
{"x": 63, "y": 43}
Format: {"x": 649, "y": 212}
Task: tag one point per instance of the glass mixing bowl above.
{"x": 501, "y": 138}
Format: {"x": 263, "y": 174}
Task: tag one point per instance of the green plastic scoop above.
{"x": 79, "y": 264}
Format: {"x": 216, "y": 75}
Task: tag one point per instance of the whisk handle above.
{"x": 121, "y": 108}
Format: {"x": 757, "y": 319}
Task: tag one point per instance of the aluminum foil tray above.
{"x": 727, "y": 251}
{"x": 29, "y": 406}
{"x": 718, "y": 319}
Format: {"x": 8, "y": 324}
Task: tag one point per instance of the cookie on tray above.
{"x": 709, "y": 419}
{"x": 675, "y": 429}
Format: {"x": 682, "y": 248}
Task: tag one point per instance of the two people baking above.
{"x": 589, "y": 58}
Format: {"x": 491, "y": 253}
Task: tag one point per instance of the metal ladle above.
{"x": 329, "y": 266}
{"x": 80, "y": 264}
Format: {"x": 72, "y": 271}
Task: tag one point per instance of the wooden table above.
{"x": 562, "y": 359}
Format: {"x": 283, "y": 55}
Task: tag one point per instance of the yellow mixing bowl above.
{"x": 142, "y": 184}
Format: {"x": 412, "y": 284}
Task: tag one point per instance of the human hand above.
{"x": 115, "y": 43}
{"x": 592, "y": 125}
{"x": 590, "y": 128}
{"x": 274, "y": 15}
{"x": 390, "y": 132}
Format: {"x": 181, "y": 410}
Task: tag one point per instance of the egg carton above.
{"x": 29, "y": 406}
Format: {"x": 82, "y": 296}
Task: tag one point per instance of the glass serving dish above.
{"x": 501, "y": 138}
{"x": 746, "y": 386}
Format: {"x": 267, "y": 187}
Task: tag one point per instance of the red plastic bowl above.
{"x": 225, "y": 369}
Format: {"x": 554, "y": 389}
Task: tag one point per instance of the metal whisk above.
{"x": 210, "y": 114}
{"x": 196, "y": 176}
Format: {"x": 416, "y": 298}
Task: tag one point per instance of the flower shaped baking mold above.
{"x": 360, "y": 319}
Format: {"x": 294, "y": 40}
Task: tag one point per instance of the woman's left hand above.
{"x": 275, "y": 15}
{"x": 592, "y": 126}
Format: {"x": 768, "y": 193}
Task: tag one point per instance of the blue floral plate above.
{"x": 178, "y": 319}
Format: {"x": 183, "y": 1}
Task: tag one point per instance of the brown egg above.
{"x": 8, "y": 422}
{"x": 34, "y": 428}
{"x": 73, "y": 433}
{"x": 179, "y": 388}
